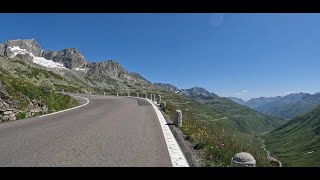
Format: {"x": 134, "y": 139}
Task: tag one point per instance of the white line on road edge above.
{"x": 177, "y": 157}
{"x": 70, "y": 108}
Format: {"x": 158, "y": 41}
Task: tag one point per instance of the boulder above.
{"x": 12, "y": 118}
{"x": 5, "y": 118}
{"x": 7, "y": 112}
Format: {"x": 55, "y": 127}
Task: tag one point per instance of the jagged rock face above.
{"x": 30, "y": 45}
{"x": 2, "y": 49}
{"x": 49, "y": 54}
{"x": 71, "y": 58}
{"x": 113, "y": 70}
{"x": 108, "y": 69}
{"x": 3, "y": 92}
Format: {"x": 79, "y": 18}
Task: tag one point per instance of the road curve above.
{"x": 108, "y": 131}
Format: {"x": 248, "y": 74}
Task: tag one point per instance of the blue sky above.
{"x": 241, "y": 55}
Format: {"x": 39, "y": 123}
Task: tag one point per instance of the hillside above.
{"x": 297, "y": 143}
{"x": 20, "y": 98}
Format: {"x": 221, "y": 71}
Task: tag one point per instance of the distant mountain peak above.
{"x": 197, "y": 91}
{"x": 168, "y": 87}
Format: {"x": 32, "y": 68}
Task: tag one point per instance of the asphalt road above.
{"x": 109, "y": 131}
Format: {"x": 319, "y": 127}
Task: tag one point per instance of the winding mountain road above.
{"x": 105, "y": 131}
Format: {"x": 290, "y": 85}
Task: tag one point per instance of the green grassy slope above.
{"x": 297, "y": 143}
{"x": 21, "y": 88}
{"x": 208, "y": 125}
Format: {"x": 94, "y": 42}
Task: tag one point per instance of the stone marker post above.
{"x": 163, "y": 106}
{"x": 159, "y": 99}
{"x": 178, "y": 118}
{"x": 243, "y": 159}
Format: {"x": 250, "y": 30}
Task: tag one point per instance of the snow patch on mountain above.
{"x": 47, "y": 63}
{"x": 16, "y": 50}
{"x": 37, "y": 60}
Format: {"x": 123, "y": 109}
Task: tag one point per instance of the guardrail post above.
{"x": 243, "y": 159}
{"x": 178, "y": 118}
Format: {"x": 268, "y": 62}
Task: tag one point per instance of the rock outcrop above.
{"x": 30, "y": 45}
{"x": 71, "y": 58}
{"x": 111, "y": 69}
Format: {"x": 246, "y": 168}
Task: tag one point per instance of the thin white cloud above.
{"x": 287, "y": 93}
{"x": 216, "y": 19}
{"x": 242, "y": 93}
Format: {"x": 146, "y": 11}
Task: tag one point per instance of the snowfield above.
{"x": 37, "y": 60}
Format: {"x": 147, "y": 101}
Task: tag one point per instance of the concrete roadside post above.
{"x": 151, "y": 97}
{"x": 146, "y": 97}
{"x": 243, "y": 159}
{"x": 154, "y": 97}
{"x": 62, "y": 90}
{"x": 159, "y": 99}
{"x": 117, "y": 94}
{"x": 163, "y": 106}
{"x": 137, "y": 94}
{"x": 104, "y": 93}
{"x": 128, "y": 94}
{"x": 178, "y": 119}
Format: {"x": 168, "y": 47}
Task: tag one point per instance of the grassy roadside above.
{"x": 216, "y": 145}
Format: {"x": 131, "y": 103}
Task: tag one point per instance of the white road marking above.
{"x": 68, "y": 109}
{"x": 176, "y": 155}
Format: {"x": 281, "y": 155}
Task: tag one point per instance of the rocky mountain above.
{"x": 168, "y": 87}
{"x": 286, "y": 107}
{"x": 296, "y": 143}
{"x": 237, "y": 100}
{"x": 29, "y": 49}
{"x": 29, "y": 45}
{"x": 197, "y": 91}
{"x": 71, "y": 58}
{"x": 111, "y": 70}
